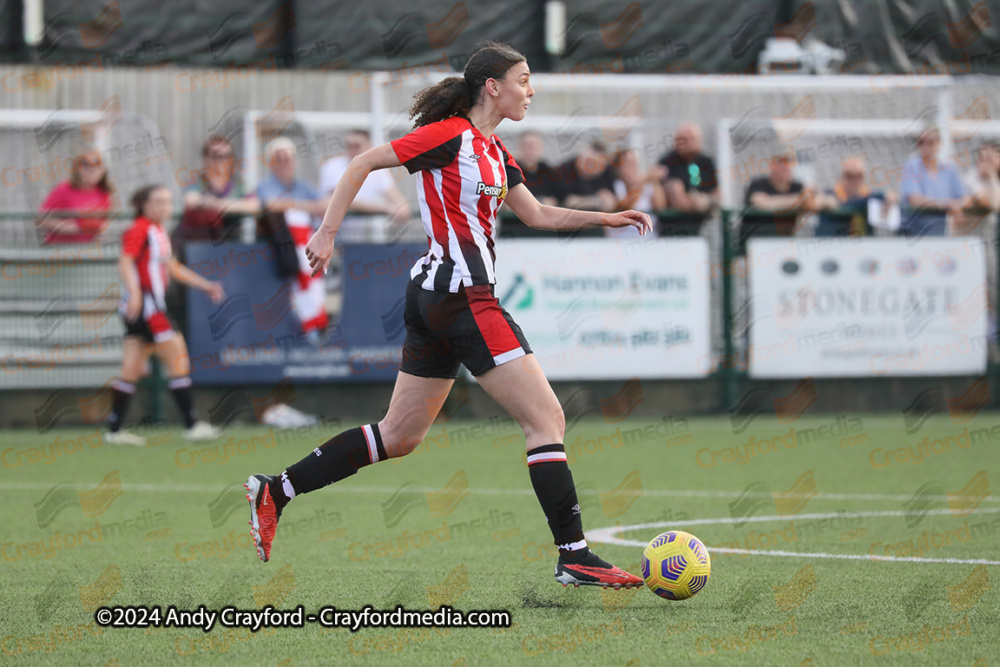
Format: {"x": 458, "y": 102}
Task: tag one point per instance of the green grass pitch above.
{"x": 456, "y": 523}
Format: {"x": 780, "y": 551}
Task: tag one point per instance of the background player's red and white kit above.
{"x": 149, "y": 246}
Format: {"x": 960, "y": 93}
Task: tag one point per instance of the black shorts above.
{"x": 153, "y": 324}
{"x": 444, "y": 330}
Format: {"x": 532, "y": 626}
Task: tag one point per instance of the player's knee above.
{"x": 398, "y": 443}
{"x": 401, "y": 448}
{"x": 559, "y": 422}
{"x": 549, "y": 425}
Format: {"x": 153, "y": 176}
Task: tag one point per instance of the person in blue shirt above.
{"x": 281, "y": 192}
{"x": 931, "y": 188}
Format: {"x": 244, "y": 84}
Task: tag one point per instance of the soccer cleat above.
{"x": 202, "y": 432}
{"x": 592, "y": 571}
{"x": 124, "y": 438}
{"x": 264, "y": 514}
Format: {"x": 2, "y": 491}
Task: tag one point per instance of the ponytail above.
{"x": 456, "y": 95}
{"x": 448, "y": 98}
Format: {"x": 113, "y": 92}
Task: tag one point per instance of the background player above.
{"x": 146, "y": 266}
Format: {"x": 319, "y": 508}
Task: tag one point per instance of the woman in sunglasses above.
{"x": 77, "y": 210}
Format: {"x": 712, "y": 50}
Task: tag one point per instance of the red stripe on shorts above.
{"x": 489, "y": 318}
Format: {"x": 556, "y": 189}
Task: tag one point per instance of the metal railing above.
{"x": 731, "y": 370}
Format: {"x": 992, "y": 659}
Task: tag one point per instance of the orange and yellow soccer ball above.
{"x": 676, "y": 565}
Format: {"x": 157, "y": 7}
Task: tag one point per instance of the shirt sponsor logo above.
{"x": 498, "y": 191}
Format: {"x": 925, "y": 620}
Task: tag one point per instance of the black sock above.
{"x": 339, "y": 457}
{"x": 122, "y": 393}
{"x": 553, "y": 482}
{"x": 181, "y": 389}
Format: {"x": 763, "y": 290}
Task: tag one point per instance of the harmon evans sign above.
{"x": 609, "y": 308}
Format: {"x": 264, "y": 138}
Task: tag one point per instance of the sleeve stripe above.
{"x": 431, "y": 146}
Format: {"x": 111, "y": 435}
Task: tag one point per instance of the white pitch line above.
{"x": 525, "y": 491}
{"x": 610, "y": 536}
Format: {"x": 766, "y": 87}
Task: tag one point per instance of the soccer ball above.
{"x": 676, "y": 565}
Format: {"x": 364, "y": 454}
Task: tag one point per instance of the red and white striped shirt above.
{"x": 149, "y": 245}
{"x": 462, "y": 179}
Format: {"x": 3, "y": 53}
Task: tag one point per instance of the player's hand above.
{"x": 319, "y": 250}
{"x": 637, "y": 219}
{"x": 133, "y": 307}
{"x": 216, "y": 292}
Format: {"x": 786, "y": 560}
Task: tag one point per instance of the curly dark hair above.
{"x": 455, "y": 95}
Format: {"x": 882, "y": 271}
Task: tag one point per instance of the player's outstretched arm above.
{"x": 320, "y": 246}
{"x": 185, "y": 275}
{"x": 555, "y": 218}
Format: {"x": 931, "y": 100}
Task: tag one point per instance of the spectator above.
{"x": 850, "y": 195}
{"x": 636, "y": 189}
{"x": 588, "y": 182}
{"x": 931, "y": 187}
{"x": 690, "y": 180}
{"x": 76, "y": 211}
{"x": 982, "y": 182}
{"x": 539, "y": 177}
{"x": 213, "y": 202}
{"x": 779, "y": 193}
{"x": 280, "y": 192}
{"x": 543, "y": 180}
{"x": 378, "y": 194}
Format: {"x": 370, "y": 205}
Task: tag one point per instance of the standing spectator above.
{"x": 378, "y": 194}
{"x": 982, "y": 182}
{"x": 779, "y": 193}
{"x": 636, "y": 189}
{"x": 76, "y": 211}
{"x": 543, "y": 180}
{"x": 849, "y": 195}
{"x": 213, "y": 203}
{"x": 931, "y": 187}
{"x": 690, "y": 180}
{"x": 282, "y": 193}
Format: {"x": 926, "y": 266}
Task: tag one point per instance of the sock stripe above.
{"x": 370, "y": 441}
{"x": 573, "y": 546}
{"x": 545, "y": 457}
{"x": 379, "y": 447}
{"x": 179, "y": 383}
{"x": 124, "y": 387}
{"x": 547, "y": 448}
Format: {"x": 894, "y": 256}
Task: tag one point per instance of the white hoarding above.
{"x": 609, "y": 309}
{"x": 866, "y": 307}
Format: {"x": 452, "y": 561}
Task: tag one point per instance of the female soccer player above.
{"x": 464, "y": 173}
{"x": 146, "y": 266}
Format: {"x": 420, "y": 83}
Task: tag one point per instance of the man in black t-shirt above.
{"x": 690, "y": 181}
{"x": 539, "y": 177}
{"x": 542, "y": 180}
{"x": 778, "y": 192}
{"x": 587, "y": 183}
